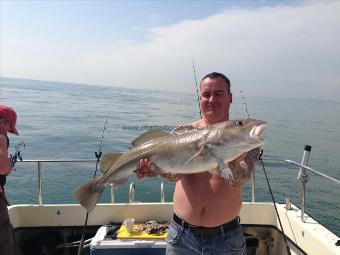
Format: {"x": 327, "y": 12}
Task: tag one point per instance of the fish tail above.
{"x": 88, "y": 194}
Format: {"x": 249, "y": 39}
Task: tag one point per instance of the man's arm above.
{"x": 243, "y": 166}
{"x": 5, "y": 163}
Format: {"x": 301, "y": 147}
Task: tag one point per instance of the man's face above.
{"x": 4, "y": 125}
{"x": 215, "y": 100}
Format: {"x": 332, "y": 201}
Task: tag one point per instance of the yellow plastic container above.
{"x": 137, "y": 233}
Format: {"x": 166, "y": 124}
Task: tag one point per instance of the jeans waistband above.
{"x": 207, "y": 231}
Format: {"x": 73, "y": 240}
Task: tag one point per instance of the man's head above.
{"x": 215, "y": 97}
{"x": 8, "y": 119}
{"x": 215, "y": 75}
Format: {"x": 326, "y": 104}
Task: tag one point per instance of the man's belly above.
{"x": 207, "y": 200}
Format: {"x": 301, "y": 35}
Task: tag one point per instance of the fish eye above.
{"x": 239, "y": 123}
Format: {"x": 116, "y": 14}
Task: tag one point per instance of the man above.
{"x": 206, "y": 207}
{"x": 8, "y": 119}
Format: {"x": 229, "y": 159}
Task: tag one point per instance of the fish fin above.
{"x": 202, "y": 150}
{"x": 223, "y": 168}
{"x": 117, "y": 183}
{"x": 183, "y": 129}
{"x": 225, "y": 171}
{"x": 88, "y": 194}
{"x": 148, "y": 136}
{"x": 108, "y": 160}
{"x": 193, "y": 156}
{"x": 203, "y": 147}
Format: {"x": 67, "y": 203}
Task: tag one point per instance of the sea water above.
{"x": 64, "y": 121}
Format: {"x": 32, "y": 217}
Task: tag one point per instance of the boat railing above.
{"x": 302, "y": 176}
{"x": 39, "y": 163}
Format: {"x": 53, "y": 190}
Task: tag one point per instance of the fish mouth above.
{"x": 257, "y": 131}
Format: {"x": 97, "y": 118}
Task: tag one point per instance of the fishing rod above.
{"x": 198, "y": 96}
{"x": 98, "y": 156}
{"x": 270, "y": 190}
{"x": 244, "y": 104}
{"x": 273, "y": 199}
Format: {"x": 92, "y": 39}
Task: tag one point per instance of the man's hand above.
{"x": 145, "y": 169}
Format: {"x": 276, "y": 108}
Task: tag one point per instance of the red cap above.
{"x": 8, "y": 113}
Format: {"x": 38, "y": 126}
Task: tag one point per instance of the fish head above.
{"x": 255, "y": 127}
{"x": 241, "y": 129}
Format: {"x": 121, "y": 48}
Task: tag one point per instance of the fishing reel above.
{"x": 17, "y": 154}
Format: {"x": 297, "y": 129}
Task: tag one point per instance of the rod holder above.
{"x": 303, "y": 177}
{"x": 302, "y": 173}
{"x": 288, "y": 203}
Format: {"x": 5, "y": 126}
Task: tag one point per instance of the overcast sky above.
{"x": 266, "y": 48}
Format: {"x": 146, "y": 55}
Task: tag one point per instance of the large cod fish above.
{"x": 209, "y": 148}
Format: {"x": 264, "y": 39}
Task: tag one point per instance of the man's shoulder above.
{"x": 3, "y": 139}
{"x": 3, "y": 145}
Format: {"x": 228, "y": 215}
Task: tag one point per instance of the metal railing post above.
{"x": 162, "y": 193}
{"x": 112, "y": 193}
{"x": 39, "y": 184}
{"x": 303, "y": 177}
{"x": 132, "y": 192}
{"x": 253, "y": 187}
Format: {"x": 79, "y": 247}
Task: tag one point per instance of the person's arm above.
{"x": 5, "y": 163}
{"x": 243, "y": 166}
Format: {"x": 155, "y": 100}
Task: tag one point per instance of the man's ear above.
{"x": 231, "y": 97}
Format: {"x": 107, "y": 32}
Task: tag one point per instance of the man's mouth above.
{"x": 212, "y": 107}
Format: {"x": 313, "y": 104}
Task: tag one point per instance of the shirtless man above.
{"x": 206, "y": 207}
{"x": 8, "y": 120}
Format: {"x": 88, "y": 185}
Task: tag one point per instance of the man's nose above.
{"x": 212, "y": 98}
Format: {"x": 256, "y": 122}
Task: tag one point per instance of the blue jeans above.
{"x": 7, "y": 245}
{"x": 181, "y": 241}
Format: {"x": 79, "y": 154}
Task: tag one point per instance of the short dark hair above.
{"x": 215, "y": 75}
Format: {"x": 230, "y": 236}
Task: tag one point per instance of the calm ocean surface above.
{"x": 65, "y": 121}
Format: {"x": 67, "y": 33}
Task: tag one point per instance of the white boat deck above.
{"x": 309, "y": 236}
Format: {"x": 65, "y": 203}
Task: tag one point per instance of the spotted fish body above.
{"x": 210, "y": 148}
